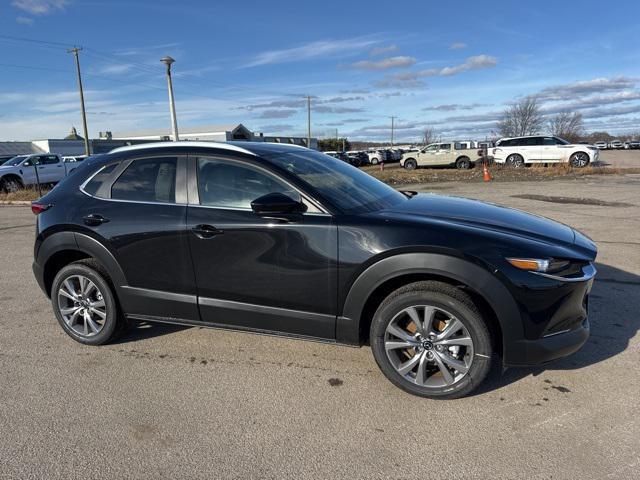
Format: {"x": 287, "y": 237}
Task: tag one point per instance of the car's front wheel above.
{"x": 430, "y": 340}
{"x": 579, "y": 160}
{"x": 515, "y": 160}
{"x": 410, "y": 164}
{"x": 85, "y": 305}
{"x": 10, "y": 185}
{"x": 374, "y": 161}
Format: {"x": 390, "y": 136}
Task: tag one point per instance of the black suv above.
{"x": 274, "y": 238}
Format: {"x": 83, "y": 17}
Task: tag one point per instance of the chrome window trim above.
{"x": 322, "y": 213}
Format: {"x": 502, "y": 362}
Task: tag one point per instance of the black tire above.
{"x": 463, "y": 163}
{"x": 11, "y": 184}
{"x": 579, "y": 160}
{"x": 441, "y": 296}
{"x": 375, "y": 161}
{"x": 515, "y": 160}
{"x": 114, "y": 323}
{"x": 410, "y": 164}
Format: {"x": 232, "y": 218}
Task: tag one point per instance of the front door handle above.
{"x": 206, "y": 231}
{"x": 94, "y": 219}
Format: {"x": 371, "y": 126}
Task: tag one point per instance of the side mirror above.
{"x": 28, "y": 163}
{"x": 277, "y": 204}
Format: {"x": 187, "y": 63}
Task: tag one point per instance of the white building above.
{"x": 214, "y": 133}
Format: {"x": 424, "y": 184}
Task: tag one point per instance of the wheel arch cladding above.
{"x": 392, "y": 272}
{"x": 63, "y": 248}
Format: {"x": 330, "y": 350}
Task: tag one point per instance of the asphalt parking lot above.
{"x": 178, "y": 402}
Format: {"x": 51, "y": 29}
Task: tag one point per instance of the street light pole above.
{"x": 308, "y": 121}
{"x": 172, "y": 105}
{"x": 392, "y": 125}
{"x": 75, "y": 51}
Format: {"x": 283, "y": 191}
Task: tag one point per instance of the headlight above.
{"x": 548, "y": 265}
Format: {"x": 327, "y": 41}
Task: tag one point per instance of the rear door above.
{"x": 255, "y": 272}
{"x": 138, "y": 209}
{"x": 50, "y": 169}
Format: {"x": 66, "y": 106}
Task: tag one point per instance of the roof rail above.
{"x": 185, "y": 143}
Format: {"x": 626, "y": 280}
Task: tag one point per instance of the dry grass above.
{"x": 395, "y": 175}
{"x": 25, "y": 195}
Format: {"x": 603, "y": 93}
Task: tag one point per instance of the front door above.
{"x": 253, "y": 272}
{"x": 428, "y": 155}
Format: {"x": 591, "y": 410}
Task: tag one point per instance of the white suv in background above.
{"x": 520, "y": 151}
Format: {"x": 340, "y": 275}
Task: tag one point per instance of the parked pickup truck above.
{"x": 20, "y": 171}
{"x": 457, "y": 154}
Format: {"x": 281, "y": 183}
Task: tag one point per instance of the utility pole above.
{"x": 172, "y": 105}
{"x": 308, "y": 121}
{"x": 75, "y": 51}
{"x": 392, "y": 125}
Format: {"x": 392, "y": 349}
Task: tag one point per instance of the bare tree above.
{"x": 567, "y": 125}
{"x": 521, "y": 118}
{"x": 428, "y": 135}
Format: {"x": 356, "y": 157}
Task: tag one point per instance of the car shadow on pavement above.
{"x": 614, "y": 316}
{"x": 146, "y": 330}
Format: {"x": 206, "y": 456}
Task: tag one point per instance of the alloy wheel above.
{"x": 82, "y": 305}
{"x": 429, "y": 346}
{"x": 579, "y": 160}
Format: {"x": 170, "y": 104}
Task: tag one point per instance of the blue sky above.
{"x": 452, "y": 66}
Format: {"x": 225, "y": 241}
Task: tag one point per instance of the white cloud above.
{"x": 40, "y": 7}
{"x": 478, "y": 62}
{"x": 384, "y": 64}
{"x": 596, "y": 85}
{"x": 457, "y": 46}
{"x": 24, "y": 21}
{"x": 383, "y": 50}
{"x": 413, "y": 79}
{"x": 323, "y": 48}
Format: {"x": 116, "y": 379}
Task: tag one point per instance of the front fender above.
{"x": 474, "y": 276}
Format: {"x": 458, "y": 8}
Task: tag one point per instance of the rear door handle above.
{"x": 206, "y": 231}
{"x": 94, "y": 219}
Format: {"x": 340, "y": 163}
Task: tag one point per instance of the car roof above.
{"x": 250, "y": 148}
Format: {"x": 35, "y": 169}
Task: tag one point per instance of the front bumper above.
{"x": 549, "y": 348}
{"x": 555, "y": 315}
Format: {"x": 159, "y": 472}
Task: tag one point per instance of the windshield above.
{"x": 562, "y": 141}
{"x": 14, "y": 161}
{"x": 347, "y": 187}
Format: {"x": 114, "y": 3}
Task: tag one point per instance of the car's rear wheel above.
{"x": 515, "y": 160}
{"x": 463, "y": 163}
{"x": 410, "y": 164}
{"x": 430, "y": 340}
{"x": 579, "y": 160}
{"x": 85, "y": 305}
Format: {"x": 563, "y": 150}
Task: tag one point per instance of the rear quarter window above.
{"x": 99, "y": 178}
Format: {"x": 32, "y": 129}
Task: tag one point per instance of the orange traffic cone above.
{"x": 486, "y": 176}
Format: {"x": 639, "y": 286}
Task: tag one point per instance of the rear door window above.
{"x": 147, "y": 180}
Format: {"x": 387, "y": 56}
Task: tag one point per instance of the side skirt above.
{"x": 234, "y": 328}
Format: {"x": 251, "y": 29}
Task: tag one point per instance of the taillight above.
{"x": 38, "y": 208}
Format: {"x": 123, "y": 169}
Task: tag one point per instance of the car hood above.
{"x": 483, "y": 215}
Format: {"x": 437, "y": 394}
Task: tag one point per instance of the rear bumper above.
{"x": 39, "y": 274}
